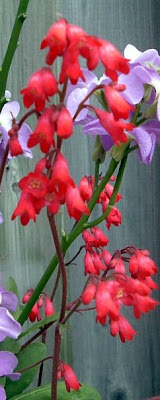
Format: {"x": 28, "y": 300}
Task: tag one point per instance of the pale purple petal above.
{"x": 7, "y": 95}
{"x": 2, "y": 393}
{"x": 94, "y": 128}
{"x": 14, "y": 376}
{"x": 107, "y": 141}
{"x": 23, "y": 136}
{"x": 8, "y": 362}
{"x": 73, "y": 101}
{"x": 136, "y": 56}
{"x": 8, "y": 300}
{"x": 146, "y": 144}
{"x": 144, "y": 74}
{"x": 153, "y": 127}
{"x": 134, "y": 87}
{"x": 1, "y": 218}
{"x": 8, "y": 325}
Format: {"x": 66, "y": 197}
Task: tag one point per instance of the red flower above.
{"x": 105, "y": 301}
{"x": 70, "y": 66}
{"x": 117, "y": 103}
{"x": 89, "y": 292}
{"x": 85, "y": 189}
{"x": 34, "y": 184}
{"x": 41, "y": 85}
{"x": 34, "y": 314}
{"x": 123, "y": 327}
{"x": 142, "y": 266}
{"x": 56, "y": 40}
{"x": 48, "y": 307}
{"x": 113, "y": 127}
{"x": 113, "y": 60}
{"x": 101, "y": 239}
{"x": 75, "y": 205}
{"x": 25, "y": 209}
{"x": 70, "y": 378}
{"x": 43, "y": 132}
{"x": 64, "y": 124}
{"x": 61, "y": 178}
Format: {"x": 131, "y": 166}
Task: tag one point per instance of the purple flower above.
{"x": 8, "y": 326}
{"x": 143, "y": 70}
{"x": 8, "y": 362}
{"x": 9, "y": 111}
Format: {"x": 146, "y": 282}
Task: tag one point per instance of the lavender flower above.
{"x": 8, "y": 362}
{"x": 8, "y": 326}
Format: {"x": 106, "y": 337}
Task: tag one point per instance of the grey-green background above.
{"x": 118, "y": 371}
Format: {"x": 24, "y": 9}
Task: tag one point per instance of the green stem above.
{"x": 66, "y": 243}
{"x": 113, "y": 197}
{"x": 20, "y": 17}
{"x": 96, "y": 174}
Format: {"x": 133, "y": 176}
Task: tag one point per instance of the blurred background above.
{"x": 129, "y": 371}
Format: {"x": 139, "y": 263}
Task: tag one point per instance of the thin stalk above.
{"x": 79, "y": 108}
{"x": 56, "y": 284}
{"x": 34, "y": 365}
{"x": 96, "y": 174}
{"x": 20, "y": 17}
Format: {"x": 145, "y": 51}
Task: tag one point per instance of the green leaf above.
{"x": 10, "y": 345}
{"x": 27, "y": 357}
{"x": 84, "y": 393}
{"x": 40, "y": 324}
{"x": 40, "y": 393}
{"x": 12, "y": 286}
{"x": 44, "y": 393}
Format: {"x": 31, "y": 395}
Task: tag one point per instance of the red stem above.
{"x": 3, "y": 163}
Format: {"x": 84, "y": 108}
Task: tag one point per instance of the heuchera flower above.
{"x": 41, "y": 85}
{"x": 71, "y": 42}
{"x": 66, "y": 372}
{"x": 43, "y": 301}
{"x": 111, "y": 292}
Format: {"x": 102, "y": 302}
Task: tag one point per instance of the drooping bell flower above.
{"x": 123, "y": 327}
{"x": 75, "y": 205}
{"x": 105, "y": 301}
{"x": 48, "y": 307}
{"x": 41, "y": 85}
{"x": 100, "y": 237}
{"x": 64, "y": 125}
{"x": 56, "y": 40}
{"x": 89, "y": 292}
{"x": 43, "y": 133}
{"x": 115, "y": 128}
{"x": 112, "y": 60}
{"x": 71, "y": 381}
{"x": 25, "y": 209}
{"x": 85, "y": 189}
{"x": 60, "y": 177}
{"x": 117, "y": 104}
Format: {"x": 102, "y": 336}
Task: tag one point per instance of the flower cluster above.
{"x": 8, "y": 328}
{"x": 115, "y": 288}
{"x": 86, "y": 188}
{"x": 43, "y": 301}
